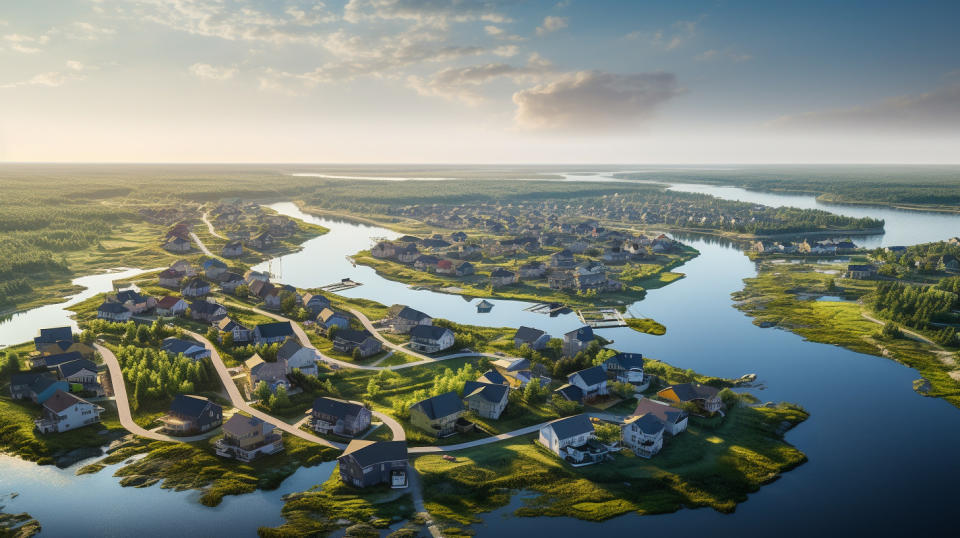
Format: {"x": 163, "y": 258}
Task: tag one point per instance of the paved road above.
{"x": 210, "y": 227}
{"x": 203, "y": 248}
{"x": 241, "y": 404}
{"x": 123, "y": 402}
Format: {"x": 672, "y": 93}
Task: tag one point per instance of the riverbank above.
{"x": 784, "y": 295}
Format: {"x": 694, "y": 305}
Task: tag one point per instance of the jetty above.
{"x": 602, "y": 318}
{"x": 548, "y": 308}
{"x": 344, "y": 284}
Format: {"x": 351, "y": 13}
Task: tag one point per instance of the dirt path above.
{"x": 213, "y": 232}
{"x": 944, "y": 356}
{"x": 203, "y": 248}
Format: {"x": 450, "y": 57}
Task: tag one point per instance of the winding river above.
{"x": 882, "y": 458}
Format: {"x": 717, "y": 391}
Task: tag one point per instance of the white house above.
{"x": 115, "y": 312}
{"x": 171, "y": 306}
{"x": 643, "y": 434}
{"x": 64, "y": 412}
{"x": 674, "y": 420}
{"x": 572, "y": 439}
{"x": 430, "y": 338}
{"x": 298, "y": 356}
{"x": 592, "y": 381}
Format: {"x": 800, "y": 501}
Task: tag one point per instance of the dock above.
{"x": 548, "y": 308}
{"x": 344, "y": 284}
{"x": 602, "y": 318}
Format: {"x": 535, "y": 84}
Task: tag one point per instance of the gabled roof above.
{"x": 352, "y": 335}
{"x": 490, "y": 392}
{"x": 335, "y": 407}
{"x": 168, "y": 302}
{"x": 188, "y": 405}
{"x": 583, "y": 334}
{"x": 443, "y": 405}
{"x": 213, "y": 262}
{"x": 129, "y": 295}
{"x": 289, "y": 348}
{"x": 27, "y": 378}
{"x": 405, "y": 312}
{"x": 428, "y": 332}
{"x": 62, "y": 400}
{"x": 367, "y": 453}
{"x": 205, "y": 307}
{"x": 67, "y": 369}
{"x": 54, "y": 334}
{"x": 528, "y": 334}
{"x": 590, "y": 376}
{"x": 570, "y": 392}
{"x": 176, "y": 345}
{"x": 692, "y": 391}
{"x": 275, "y": 329}
{"x": 52, "y": 361}
{"x": 196, "y": 282}
{"x": 501, "y": 272}
{"x": 240, "y": 425}
{"x": 229, "y": 325}
{"x": 626, "y": 361}
{"x": 568, "y": 427}
{"x": 648, "y": 423}
{"x": 111, "y": 308}
{"x": 492, "y": 376}
{"x": 328, "y": 313}
{"x": 665, "y": 412}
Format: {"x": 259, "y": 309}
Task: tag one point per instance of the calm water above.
{"x": 881, "y": 456}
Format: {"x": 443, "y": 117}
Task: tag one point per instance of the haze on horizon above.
{"x": 494, "y": 81}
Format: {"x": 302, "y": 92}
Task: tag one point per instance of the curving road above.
{"x": 123, "y": 402}
{"x": 213, "y": 231}
{"x": 203, "y": 248}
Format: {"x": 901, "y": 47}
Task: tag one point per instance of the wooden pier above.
{"x": 548, "y": 308}
{"x": 602, "y": 318}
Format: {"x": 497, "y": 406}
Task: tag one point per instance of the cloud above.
{"x": 25, "y": 43}
{"x": 723, "y": 54}
{"x": 436, "y": 13}
{"x": 53, "y": 79}
{"x": 506, "y": 50}
{"x": 74, "y": 65}
{"x": 594, "y": 100}
{"x": 211, "y": 72}
{"x": 551, "y": 24}
{"x": 679, "y": 33}
{"x": 937, "y": 111}
{"x": 463, "y": 83}
{"x": 493, "y": 30}
{"x": 84, "y": 31}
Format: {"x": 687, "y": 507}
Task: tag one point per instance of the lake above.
{"x": 881, "y": 456}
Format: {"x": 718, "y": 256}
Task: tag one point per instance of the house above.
{"x": 136, "y": 303}
{"x": 464, "y": 269}
{"x": 560, "y": 280}
{"x": 860, "y": 272}
{"x": 183, "y": 267}
{"x": 425, "y": 262}
{"x": 577, "y": 340}
{"x": 66, "y": 346}
{"x": 177, "y": 244}
{"x": 54, "y": 360}
{"x": 487, "y": 400}
{"x": 348, "y": 340}
{"x": 271, "y": 298}
{"x": 207, "y": 311}
{"x": 114, "y": 312}
{"x": 245, "y": 438}
{"x": 533, "y": 270}
{"x": 191, "y": 415}
{"x": 383, "y": 250}
{"x": 430, "y": 339}
{"x": 562, "y": 260}
{"x": 484, "y": 306}
{"x": 614, "y": 255}
{"x": 445, "y": 267}
{"x": 297, "y": 356}
{"x": 626, "y": 367}
{"x": 708, "y": 398}
{"x": 948, "y": 262}
{"x": 262, "y": 241}
{"x": 643, "y": 434}
{"x": 402, "y": 318}
{"x": 274, "y": 374}
{"x": 233, "y": 249}
{"x": 590, "y": 276}
{"x": 493, "y": 377}
{"x": 534, "y": 338}
{"x": 195, "y": 287}
{"x": 80, "y": 372}
{"x": 341, "y": 417}
{"x": 52, "y": 336}
{"x": 439, "y": 415}
{"x": 368, "y": 463}
{"x": 407, "y": 253}
{"x": 502, "y": 277}
{"x": 570, "y": 392}
{"x": 64, "y": 412}
{"x": 315, "y": 303}
{"x": 188, "y": 348}
{"x": 171, "y": 306}
{"x": 674, "y": 420}
{"x": 332, "y": 318}
{"x": 458, "y": 237}
{"x": 240, "y": 333}
{"x": 512, "y": 365}
{"x": 213, "y": 268}
{"x": 268, "y": 333}
{"x": 170, "y": 278}
{"x": 37, "y": 386}
{"x": 592, "y": 381}
{"x": 252, "y": 276}
{"x": 572, "y": 439}
{"x": 230, "y": 281}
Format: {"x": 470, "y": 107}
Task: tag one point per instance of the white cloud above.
{"x": 74, "y": 65}
{"x": 26, "y": 44}
{"x": 84, "y": 31}
{"x": 723, "y": 54}
{"x": 436, "y": 13}
{"x": 463, "y": 83}
{"x": 493, "y": 30}
{"x": 211, "y": 72}
{"x": 937, "y": 111}
{"x": 679, "y": 34}
{"x": 594, "y": 100}
{"x": 506, "y": 50}
{"x": 551, "y": 24}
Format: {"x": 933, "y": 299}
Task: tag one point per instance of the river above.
{"x": 881, "y": 456}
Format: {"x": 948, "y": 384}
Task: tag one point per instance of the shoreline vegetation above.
{"x": 788, "y": 296}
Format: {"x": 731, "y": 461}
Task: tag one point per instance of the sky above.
{"x": 487, "y": 81}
